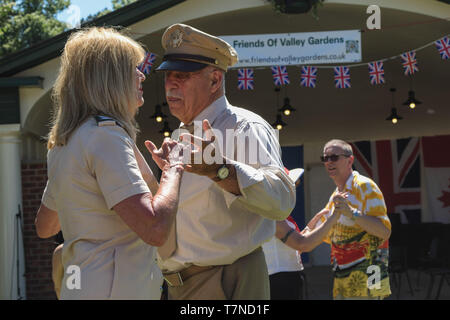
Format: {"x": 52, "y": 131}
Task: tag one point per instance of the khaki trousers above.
{"x": 245, "y": 279}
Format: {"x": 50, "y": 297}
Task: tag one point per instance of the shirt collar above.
{"x": 211, "y": 112}
{"x": 348, "y": 184}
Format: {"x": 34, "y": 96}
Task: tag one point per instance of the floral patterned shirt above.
{"x": 360, "y": 260}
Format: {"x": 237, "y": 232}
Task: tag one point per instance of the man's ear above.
{"x": 352, "y": 159}
{"x": 216, "y": 80}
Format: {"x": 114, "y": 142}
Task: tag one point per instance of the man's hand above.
{"x": 205, "y": 156}
{"x": 341, "y": 204}
{"x": 170, "y": 154}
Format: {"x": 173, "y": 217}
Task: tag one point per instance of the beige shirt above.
{"x": 215, "y": 227}
{"x": 86, "y": 178}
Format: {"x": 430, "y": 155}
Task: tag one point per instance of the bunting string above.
{"x": 308, "y": 76}
{"x": 357, "y": 64}
{"x": 341, "y": 72}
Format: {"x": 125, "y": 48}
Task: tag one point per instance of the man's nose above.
{"x": 170, "y": 82}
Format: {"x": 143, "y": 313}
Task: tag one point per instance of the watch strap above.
{"x": 355, "y": 214}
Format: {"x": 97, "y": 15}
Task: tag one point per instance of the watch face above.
{"x": 223, "y": 172}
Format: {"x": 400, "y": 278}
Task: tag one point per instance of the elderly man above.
{"x": 227, "y": 206}
{"x": 359, "y": 240}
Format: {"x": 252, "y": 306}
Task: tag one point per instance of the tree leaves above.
{"x": 24, "y": 23}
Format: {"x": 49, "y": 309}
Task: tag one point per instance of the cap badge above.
{"x": 176, "y": 38}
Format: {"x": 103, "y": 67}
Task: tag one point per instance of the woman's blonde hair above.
{"x": 97, "y": 77}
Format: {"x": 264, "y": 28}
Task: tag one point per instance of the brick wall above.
{"x": 38, "y": 252}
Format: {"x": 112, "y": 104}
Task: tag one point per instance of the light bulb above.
{"x": 159, "y": 119}
{"x": 412, "y": 105}
{"x": 394, "y": 120}
{"x": 287, "y": 112}
{"x": 279, "y": 126}
{"x": 166, "y": 133}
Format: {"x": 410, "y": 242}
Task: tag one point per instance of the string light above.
{"x": 287, "y": 109}
{"x": 412, "y": 101}
{"x": 166, "y": 131}
{"x": 279, "y": 124}
{"x": 394, "y": 117}
{"x": 158, "y": 115}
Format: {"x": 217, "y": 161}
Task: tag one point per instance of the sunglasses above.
{"x": 332, "y": 157}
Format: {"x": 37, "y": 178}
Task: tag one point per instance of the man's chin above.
{"x": 331, "y": 174}
{"x": 176, "y": 110}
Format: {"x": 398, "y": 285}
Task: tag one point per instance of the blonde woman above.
{"x": 100, "y": 191}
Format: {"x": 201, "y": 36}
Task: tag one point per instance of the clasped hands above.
{"x": 188, "y": 152}
{"x": 342, "y": 205}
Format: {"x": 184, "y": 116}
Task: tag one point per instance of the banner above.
{"x": 436, "y": 160}
{"x": 296, "y": 48}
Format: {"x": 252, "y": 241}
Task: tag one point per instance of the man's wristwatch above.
{"x": 222, "y": 173}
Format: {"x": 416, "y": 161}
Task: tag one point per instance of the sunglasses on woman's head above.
{"x": 332, "y": 157}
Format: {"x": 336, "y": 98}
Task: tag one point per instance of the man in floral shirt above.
{"x": 359, "y": 240}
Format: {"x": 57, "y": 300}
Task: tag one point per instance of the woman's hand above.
{"x": 312, "y": 224}
{"x": 169, "y": 155}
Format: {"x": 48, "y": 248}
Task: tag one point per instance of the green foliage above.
{"x": 95, "y": 15}
{"x": 117, "y": 4}
{"x": 26, "y": 22}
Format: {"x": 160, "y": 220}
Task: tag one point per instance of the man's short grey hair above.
{"x": 346, "y": 147}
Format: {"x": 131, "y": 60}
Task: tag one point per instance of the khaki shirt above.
{"x": 215, "y": 227}
{"x": 86, "y": 178}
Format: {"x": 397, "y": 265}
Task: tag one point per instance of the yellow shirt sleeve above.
{"x": 374, "y": 204}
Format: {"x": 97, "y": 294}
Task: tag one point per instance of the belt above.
{"x": 176, "y": 279}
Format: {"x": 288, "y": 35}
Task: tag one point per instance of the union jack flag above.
{"x": 342, "y": 77}
{"x": 443, "y": 45}
{"x": 245, "y": 79}
{"x": 149, "y": 60}
{"x": 308, "y": 77}
{"x": 395, "y": 167}
{"x": 280, "y": 75}
{"x": 409, "y": 62}
{"x": 376, "y": 72}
